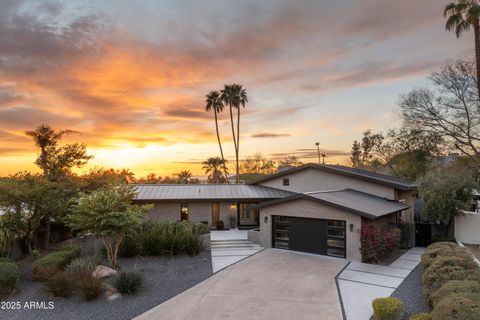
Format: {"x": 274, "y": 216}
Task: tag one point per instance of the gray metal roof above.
{"x": 159, "y": 192}
{"x": 364, "y": 204}
{"x": 353, "y": 172}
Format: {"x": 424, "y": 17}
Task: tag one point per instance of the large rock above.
{"x": 102, "y": 272}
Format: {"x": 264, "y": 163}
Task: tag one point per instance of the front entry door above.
{"x": 215, "y": 213}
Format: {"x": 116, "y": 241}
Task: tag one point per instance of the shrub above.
{"x": 466, "y": 288}
{"x": 432, "y": 281}
{"x": 387, "y": 308}
{"x": 220, "y": 225}
{"x": 60, "y": 285}
{"x": 54, "y": 262}
{"x": 442, "y": 244}
{"x": 441, "y": 251}
{"x": 9, "y": 276}
{"x": 83, "y": 265}
{"x": 421, "y": 316}
{"x": 376, "y": 244}
{"x": 91, "y": 287}
{"x": 130, "y": 246}
{"x": 129, "y": 282}
{"x": 456, "y": 307}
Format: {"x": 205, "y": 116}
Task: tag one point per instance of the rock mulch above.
{"x": 411, "y": 293}
{"x": 164, "y": 277}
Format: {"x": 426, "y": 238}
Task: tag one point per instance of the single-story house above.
{"x": 312, "y": 208}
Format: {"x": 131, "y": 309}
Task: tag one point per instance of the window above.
{"x": 184, "y": 211}
{"x": 286, "y": 181}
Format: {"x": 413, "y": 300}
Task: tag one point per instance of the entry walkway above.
{"x": 273, "y": 284}
{"x": 229, "y": 247}
{"x": 360, "y": 283}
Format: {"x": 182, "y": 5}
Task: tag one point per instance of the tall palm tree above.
{"x": 184, "y": 176}
{"x": 214, "y": 102}
{"x": 45, "y": 137}
{"x": 234, "y": 96}
{"x": 212, "y": 167}
{"x": 461, "y": 16}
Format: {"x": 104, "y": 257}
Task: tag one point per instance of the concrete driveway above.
{"x": 272, "y": 284}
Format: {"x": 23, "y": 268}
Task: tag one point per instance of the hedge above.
{"x": 456, "y": 307}
{"x": 421, "y": 316}
{"x": 9, "y": 276}
{"x": 387, "y": 308}
{"x": 54, "y": 262}
{"x": 466, "y": 288}
{"x": 431, "y": 255}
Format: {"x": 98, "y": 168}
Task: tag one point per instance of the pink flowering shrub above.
{"x": 377, "y": 244}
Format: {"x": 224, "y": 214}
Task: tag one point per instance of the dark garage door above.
{"x": 317, "y": 236}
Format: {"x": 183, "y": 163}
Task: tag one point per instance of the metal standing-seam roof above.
{"x": 165, "y": 192}
{"x": 364, "y": 204}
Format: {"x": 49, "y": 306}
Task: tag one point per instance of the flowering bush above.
{"x": 377, "y": 244}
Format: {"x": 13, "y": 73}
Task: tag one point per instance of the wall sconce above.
{"x": 233, "y": 205}
{"x": 350, "y": 227}
{"x": 265, "y": 219}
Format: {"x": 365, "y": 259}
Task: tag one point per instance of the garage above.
{"x": 318, "y": 236}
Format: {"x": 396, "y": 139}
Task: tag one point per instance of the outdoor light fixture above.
{"x": 351, "y": 226}
{"x": 265, "y": 219}
{"x": 233, "y": 205}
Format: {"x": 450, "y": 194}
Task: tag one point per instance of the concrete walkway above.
{"x": 273, "y": 284}
{"x": 360, "y": 283}
{"x": 229, "y": 247}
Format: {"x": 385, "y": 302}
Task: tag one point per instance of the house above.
{"x": 312, "y": 208}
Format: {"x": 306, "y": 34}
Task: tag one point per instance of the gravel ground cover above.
{"x": 164, "y": 277}
{"x": 411, "y": 293}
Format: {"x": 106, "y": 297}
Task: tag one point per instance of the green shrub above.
{"x": 130, "y": 246}
{"x": 9, "y": 276}
{"x": 432, "y": 281}
{"x": 387, "y": 308}
{"x": 91, "y": 287}
{"x": 430, "y": 255}
{"x": 54, "y": 262}
{"x": 129, "y": 282}
{"x": 466, "y": 288}
{"x": 421, "y": 316}
{"x": 83, "y": 265}
{"x": 61, "y": 285}
{"x": 451, "y": 261}
{"x": 443, "y": 244}
{"x": 456, "y": 307}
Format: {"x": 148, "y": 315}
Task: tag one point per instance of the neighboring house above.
{"x": 311, "y": 208}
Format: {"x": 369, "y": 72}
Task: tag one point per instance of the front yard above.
{"x": 163, "y": 278}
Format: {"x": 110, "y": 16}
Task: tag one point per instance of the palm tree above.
{"x": 212, "y": 167}
{"x": 184, "y": 176}
{"x": 214, "y": 102}
{"x": 45, "y": 137}
{"x": 461, "y": 15}
{"x": 235, "y": 96}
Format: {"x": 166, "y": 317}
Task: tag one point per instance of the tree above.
{"x": 54, "y": 160}
{"x": 356, "y": 154}
{"x": 214, "y": 102}
{"x": 184, "y": 176}
{"x": 212, "y": 167}
{"x": 290, "y": 161}
{"x": 109, "y": 214}
{"x": 451, "y": 109}
{"x": 99, "y": 177}
{"x": 446, "y": 194}
{"x": 234, "y": 96}
{"x": 461, "y": 15}
{"x": 258, "y": 164}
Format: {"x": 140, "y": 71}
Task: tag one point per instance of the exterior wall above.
{"x": 198, "y": 211}
{"x": 316, "y": 180}
{"x": 409, "y": 197}
{"x": 311, "y": 209}
{"x": 466, "y": 228}
{"x": 380, "y": 222}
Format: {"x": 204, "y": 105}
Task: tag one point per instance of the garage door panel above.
{"x": 308, "y": 235}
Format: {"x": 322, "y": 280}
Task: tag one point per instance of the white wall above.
{"x": 467, "y": 228}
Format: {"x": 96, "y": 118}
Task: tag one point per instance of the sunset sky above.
{"x": 131, "y": 76}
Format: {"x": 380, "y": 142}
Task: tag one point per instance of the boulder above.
{"x": 102, "y": 272}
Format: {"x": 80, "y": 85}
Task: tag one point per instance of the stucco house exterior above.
{"x": 312, "y": 208}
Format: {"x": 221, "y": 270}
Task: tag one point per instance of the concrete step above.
{"x": 230, "y": 246}
{"x": 230, "y": 241}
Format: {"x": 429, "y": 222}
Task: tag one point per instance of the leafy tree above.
{"x": 99, "y": 177}
{"x": 258, "y": 164}
{"x": 184, "y": 176}
{"x": 356, "y": 154}
{"x": 214, "y": 102}
{"x": 55, "y": 160}
{"x": 151, "y": 178}
{"x": 461, "y": 16}
{"x": 446, "y": 194}
{"x": 290, "y": 161}
{"x": 12, "y": 227}
{"x": 450, "y": 110}
{"x": 235, "y": 96}
{"x": 212, "y": 167}
{"x": 109, "y": 214}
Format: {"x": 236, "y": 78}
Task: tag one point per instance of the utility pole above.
{"x": 318, "y": 151}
